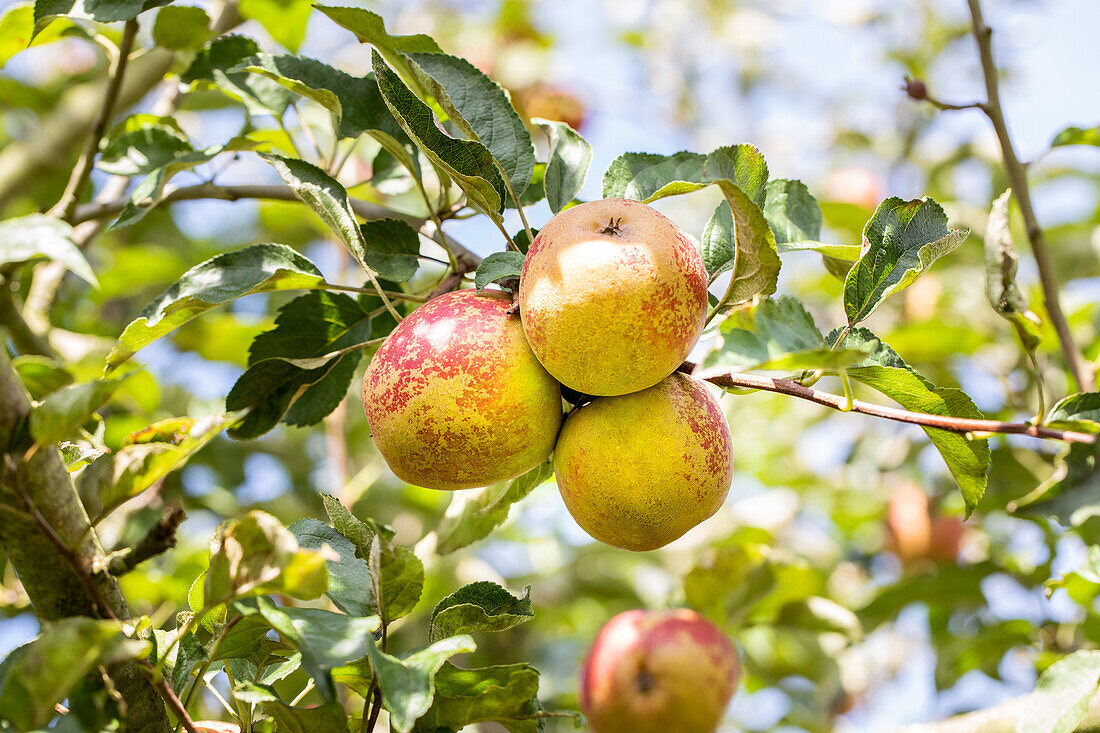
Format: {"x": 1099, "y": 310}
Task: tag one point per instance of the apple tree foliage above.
{"x": 344, "y": 597}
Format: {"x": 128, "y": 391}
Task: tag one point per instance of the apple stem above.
{"x": 613, "y": 227}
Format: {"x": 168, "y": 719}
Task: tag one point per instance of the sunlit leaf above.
{"x": 1000, "y": 276}
{"x": 566, "y": 165}
{"x": 29, "y": 237}
{"x": 506, "y": 694}
{"x": 349, "y": 583}
{"x": 480, "y": 606}
{"x": 499, "y": 267}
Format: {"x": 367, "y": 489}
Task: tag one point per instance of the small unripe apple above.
{"x": 656, "y": 672}
{"x": 637, "y": 471}
{"x": 455, "y": 398}
{"x": 613, "y": 297}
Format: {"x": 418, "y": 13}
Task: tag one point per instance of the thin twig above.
{"x": 376, "y": 708}
{"x": 161, "y": 537}
{"x": 1017, "y": 176}
{"x": 67, "y": 203}
{"x": 733, "y": 380}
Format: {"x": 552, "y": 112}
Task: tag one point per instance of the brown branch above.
{"x": 730, "y": 380}
{"x": 160, "y": 538}
{"x": 79, "y": 179}
{"x": 1017, "y": 176}
{"x": 24, "y": 338}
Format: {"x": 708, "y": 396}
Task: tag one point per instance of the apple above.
{"x": 637, "y": 471}
{"x": 455, "y": 398}
{"x": 658, "y": 671}
{"x": 914, "y": 534}
{"x": 612, "y": 297}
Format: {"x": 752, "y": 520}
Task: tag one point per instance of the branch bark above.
{"x": 55, "y": 588}
{"x": 837, "y": 402}
{"x": 160, "y": 538}
{"x": 1017, "y": 175}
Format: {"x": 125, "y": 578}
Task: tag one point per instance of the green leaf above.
{"x": 398, "y": 577}
{"x": 134, "y": 468}
{"x": 285, "y": 20}
{"x": 408, "y": 683}
{"x": 717, "y": 241}
{"x": 506, "y": 694}
{"x": 28, "y": 237}
{"x": 256, "y": 554}
{"x": 299, "y": 371}
{"x": 37, "y": 675}
{"x": 101, "y": 11}
{"x": 1083, "y": 584}
{"x": 1062, "y": 695}
{"x": 900, "y": 241}
{"x": 567, "y": 163}
{"x": 325, "y": 639}
{"x": 1077, "y": 136}
{"x": 482, "y": 110}
{"x": 647, "y": 177}
{"x": 1079, "y": 411}
{"x": 258, "y": 268}
{"x": 368, "y": 27}
{"x": 328, "y": 718}
{"x": 181, "y": 28}
{"x": 391, "y": 248}
{"x": 472, "y": 515}
{"x": 17, "y": 30}
{"x": 499, "y": 267}
{"x": 359, "y": 532}
{"x": 1072, "y": 492}
{"x": 755, "y": 263}
{"x": 469, "y": 163}
{"x": 63, "y": 411}
{"x": 349, "y": 581}
{"x": 743, "y": 166}
{"x": 240, "y": 637}
{"x": 776, "y": 334}
{"x": 189, "y": 654}
{"x": 1000, "y": 276}
{"x": 729, "y": 581}
{"x": 480, "y": 606}
{"x": 884, "y": 370}
{"x": 213, "y": 65}
{"x": 355, "y": 102}
{"x": 792, "y": 212}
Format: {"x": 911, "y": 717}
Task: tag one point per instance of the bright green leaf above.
{"x": 213, "y": 65}
{"x": 68, "y": 408}
{"x": 285, "y": 20}
{"x": 1000, "y": 276}
{"x": 408, "y": 683}
{"x": 101, "y": 11}
{"x": 566, "y": 165}
{"x": 181, "y": 27}
{"x": 1077, "y": 136}
{"x": 1083, "y": 584}
{"x": 28, "y": 237}
{"x": 506, "y": 694}
{"x": 792, "y": 212}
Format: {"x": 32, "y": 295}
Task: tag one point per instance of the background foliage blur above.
{"x": 844, "y": 623}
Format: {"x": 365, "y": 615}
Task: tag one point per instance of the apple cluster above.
{"x": 612, "y": 298}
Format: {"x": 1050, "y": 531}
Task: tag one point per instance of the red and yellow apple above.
{"x": 658, "y": 671}
{"x": 455, "y": 398}
{"x": 637, "y": 471}
{"x": 612, "y": 296}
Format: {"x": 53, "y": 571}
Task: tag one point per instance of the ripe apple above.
{"x": 658, "y": 671}
{"x": 914, "y": 534}
{"x": 637, "y": 471}
{"x": 612, "y": 296}
{"x": 455, "y": 398}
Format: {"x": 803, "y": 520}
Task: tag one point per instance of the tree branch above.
{"x": 951, "y": 424}
{"x": 25, "y": 339}
{"x": 1017, "y": 176}
{"x": 63, "y": 209}
{"x": 1003, "y": 718}
{"x": 161, "y": 537}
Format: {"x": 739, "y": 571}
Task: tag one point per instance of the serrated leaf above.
{"x": 349, "y": 582}
{"x": 647, "y": 177}
{"x": 567, "y": 163}
{"x": 472, "y": 515}
{"x": 901, "y": 240}
{"x": 1062, "y": 695}
{"x": 260, "y": 95}
{"x": 776, "y": 334}
{"x": 743, "y": 166}
{"x": 391, "y": 248}
{"x": 470, "y": 164}
{"x": 101, "y": 11}
{"x": 39, "y": 674}
{"x": 181, "y": 28}
{"x": 63, "y": 411}
{"x": 28, "y": 237}
{"x": 506, "y": 694}
{"x": 408, "y": 683}
{"x": 285, "y": 20}
{"x": 885, "y": 371}
{"x": 299, "y": 371}
{"x": 239, "y": 637}
{"x": 398, "y": 577}
{"x": 1000, "y": 276}
{"x": 755, "y": 263}
{"x": 355, "y": 102}
{"x": 189, "y": 654}
{"x": 325, "y": 639}
{"x": 1077, "y": 136}
{"x": 256, "y": 554}
{"x": 369, "y": 27}
{"x": 717, "y": 243}
{"x": 1083, "y": 584}
{"x": 360, "y": 533}
{"x": 482, "y": 109}
{"x": 258, "y": 268}
{"x": 792, "y": 212}
{"x": 480, "y": 606}
{"x": 134, "y": 468}
{"x": 499, "y": 267}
